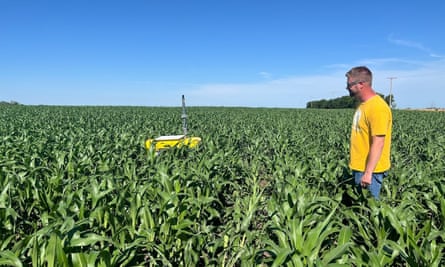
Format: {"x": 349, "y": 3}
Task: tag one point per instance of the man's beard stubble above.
{"x": 351, "y": 94}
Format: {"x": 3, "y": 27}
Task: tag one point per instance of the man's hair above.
{"x": 360, "y": 73}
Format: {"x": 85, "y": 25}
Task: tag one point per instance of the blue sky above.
{"x": 279, "y": 53}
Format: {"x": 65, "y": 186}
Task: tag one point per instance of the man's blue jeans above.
{"x": 376, "y": 182}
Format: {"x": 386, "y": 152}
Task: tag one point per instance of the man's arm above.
{"x": 377, "y": 143}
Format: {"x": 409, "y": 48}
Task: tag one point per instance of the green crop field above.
{"x": 266, "y": 187}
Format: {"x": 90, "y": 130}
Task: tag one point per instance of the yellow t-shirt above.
{"x": 373, "y": 117}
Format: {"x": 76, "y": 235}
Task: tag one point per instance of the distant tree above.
{"x": 9, "y": 103}
{"x": 342, "y": 102}
{"x": 390, "y": 100}
{"x": 336, "y": 103}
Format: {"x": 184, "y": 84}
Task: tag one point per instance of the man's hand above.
{"x": 377, "y": 143}
{"x": 366, "y": 179}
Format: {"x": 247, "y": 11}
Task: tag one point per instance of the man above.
{"x": 371, "y": 132}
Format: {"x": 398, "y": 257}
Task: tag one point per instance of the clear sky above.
{"x": 257, "y": 53}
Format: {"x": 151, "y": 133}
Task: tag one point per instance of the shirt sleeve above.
{"x": 379, "y": 121}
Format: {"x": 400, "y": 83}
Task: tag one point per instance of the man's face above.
{"x": 351, "y": 86}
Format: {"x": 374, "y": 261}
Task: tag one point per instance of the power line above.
{"x": 390, "y": 90}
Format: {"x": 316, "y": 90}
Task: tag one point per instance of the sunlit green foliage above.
{"x": 266, "y": 187}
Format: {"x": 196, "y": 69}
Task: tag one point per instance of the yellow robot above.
{"x": 170, "y": 141}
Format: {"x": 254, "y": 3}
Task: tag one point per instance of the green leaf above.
{"x": 54, "y": 253}
{"x": 7, "y": 258}
{"x": 87, "y": 239}
{"x": 335, "y": 253}
{"x": 282, "y": 255}
{"x": 345, "y": 235}
{"x": 4, "y": 196}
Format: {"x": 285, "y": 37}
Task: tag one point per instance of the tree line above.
{"x": 9, "y": 103}
{"x": 344, "y": 102}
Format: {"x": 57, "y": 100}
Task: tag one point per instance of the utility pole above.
{"x": 390, "y": 90}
